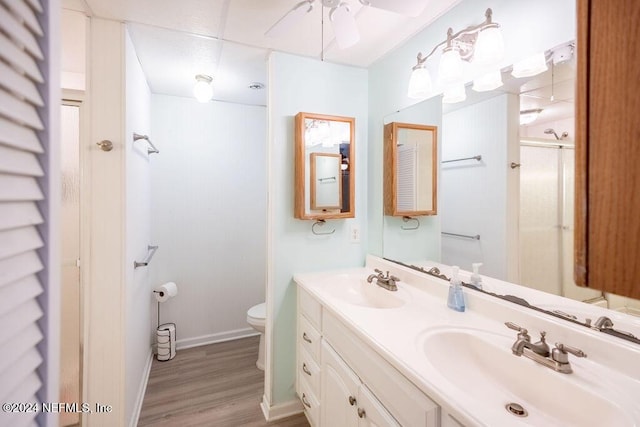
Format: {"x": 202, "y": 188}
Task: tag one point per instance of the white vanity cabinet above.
{"x": 342, "y": 381}
{"x": 308, "y": 355}
{"x": 346, "y": 401}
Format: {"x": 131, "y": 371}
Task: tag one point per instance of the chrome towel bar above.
{"x": 478, "y": 158}
{"x": 152, "y": 250}
{"x": 465, "y": 236}
{"x": 152, "y": 148}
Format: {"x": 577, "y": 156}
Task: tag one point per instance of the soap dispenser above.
{"x": 476, "y": 280}
{"x": 455, "y": 300}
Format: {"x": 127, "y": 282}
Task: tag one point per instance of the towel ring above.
{"x": 409, "y": 218}
{"x": 320, "y": 223}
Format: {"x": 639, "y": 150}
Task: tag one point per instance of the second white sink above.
{"x": 481, "y": 366}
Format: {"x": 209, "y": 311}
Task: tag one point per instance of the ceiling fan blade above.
{"x": 410, "y": 8}
{"x": 285, "y": 23}
{"x": 344, "y": 26}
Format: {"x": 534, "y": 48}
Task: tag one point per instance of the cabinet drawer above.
{"x": 310, "y": 308}
{"x": 308, "y": 338}
{"x": 310, "y": 403}
{"x": 406, "y": 403}
{"x": 309, "y": 369}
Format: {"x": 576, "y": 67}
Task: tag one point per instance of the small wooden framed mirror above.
{"x": 410, "y": 169}
{"x": 325, "y": 166}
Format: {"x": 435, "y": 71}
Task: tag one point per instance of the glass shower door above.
{"x": 546, "y": 221}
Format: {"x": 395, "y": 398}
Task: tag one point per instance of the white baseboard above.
{"x": 282, "y": 410}
{"x": 214, "y": 338}
{"x": 141, "y": 391}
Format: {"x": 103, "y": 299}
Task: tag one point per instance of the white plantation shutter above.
{"x": 21, "y": 155}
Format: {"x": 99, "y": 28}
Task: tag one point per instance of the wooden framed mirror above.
{"x": 325, "y": 166}
{"x": 410, "y": 169}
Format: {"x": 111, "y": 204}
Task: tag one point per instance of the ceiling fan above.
{"x": 342, "y": 20}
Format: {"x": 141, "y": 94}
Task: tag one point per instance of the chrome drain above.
{"x": 516, "y": 409}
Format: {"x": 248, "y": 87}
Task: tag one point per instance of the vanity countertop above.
{"x": 432, "y": 346}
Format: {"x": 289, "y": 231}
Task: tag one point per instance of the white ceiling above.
{"x": 175, "y": 40}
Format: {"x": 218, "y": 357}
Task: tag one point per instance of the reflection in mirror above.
{"x": 325, "y": 184}
{"x": 519, "y": 197}
{"x": 410, "y": 169}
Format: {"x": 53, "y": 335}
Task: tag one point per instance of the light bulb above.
{"x": 531, "y": 66}
{"x": 489, "y": 47}
{"x": 489, "y": 81}
{"x": 419, "y": 84}
{"x": 453, "y": 94}
{"x": 450, "y": 69}
{"x": 203, "y": 90}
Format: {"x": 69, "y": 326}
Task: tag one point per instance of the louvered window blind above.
{"x": 21, "y": 151}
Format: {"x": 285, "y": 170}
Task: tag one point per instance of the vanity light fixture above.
{"x": 203, "y": 90}
{"x": 420, "y": 85}
{"x": 487, "y": 82}
{"x": 529, "y": 116}
{"x": 481, "y": 44}
{"x": 455, "y": 93}
{"x": 530, "y": 66}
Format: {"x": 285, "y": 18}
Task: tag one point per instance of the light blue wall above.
{"x": 302, "y": 84}
{"x": 527, "y": 26}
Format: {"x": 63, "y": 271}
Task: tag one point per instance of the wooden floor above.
{"x": 215, "y": 385}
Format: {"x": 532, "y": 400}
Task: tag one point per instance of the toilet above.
{"x": 256, "y": 318}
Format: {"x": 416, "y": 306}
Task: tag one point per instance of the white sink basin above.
{"x": 478, "y": 367}
{"x": 355, "y": 290}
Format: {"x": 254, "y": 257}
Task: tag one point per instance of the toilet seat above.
{"x": 256, "y": 319}
{"x": 256, "y": 315}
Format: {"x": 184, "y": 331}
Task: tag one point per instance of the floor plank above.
{"x": 213, "y": 385}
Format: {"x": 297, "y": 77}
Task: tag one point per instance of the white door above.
{"x": 339, "y": 391}
{"x": 371, "y": 413}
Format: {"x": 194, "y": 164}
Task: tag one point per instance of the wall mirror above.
{"x": 508, "y": 202}
{"x": 324, "y": 162}
{"x": 526, "y": 235}
{"x": 410, "y": 169}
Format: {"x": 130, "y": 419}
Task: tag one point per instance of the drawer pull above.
{"x": 305, "y": 401}
{"x": 305, "y": 369}
{"x": 361, "y": 413}
{"x": 306, "y": 338}
{"x": 352, "y": 400}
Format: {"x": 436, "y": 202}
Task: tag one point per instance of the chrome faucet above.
{"x": 603, "y": 322}
{"x": 524, "y": 341}
{"x": 558, "y": 359}
{"x": 387, "y": 282}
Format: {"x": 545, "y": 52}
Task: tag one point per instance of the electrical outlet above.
{"x": 354, "y": 234}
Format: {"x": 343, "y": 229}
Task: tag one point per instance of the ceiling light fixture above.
{"x": 343, "y": 20}
{"x": 203, "y": 90}
{"x": 480, "y": 44}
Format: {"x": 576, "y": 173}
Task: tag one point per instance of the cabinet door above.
{"x": 371, "y": 413}
{"x": 339, "y": 391}
{"x": 607, "y": 232}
